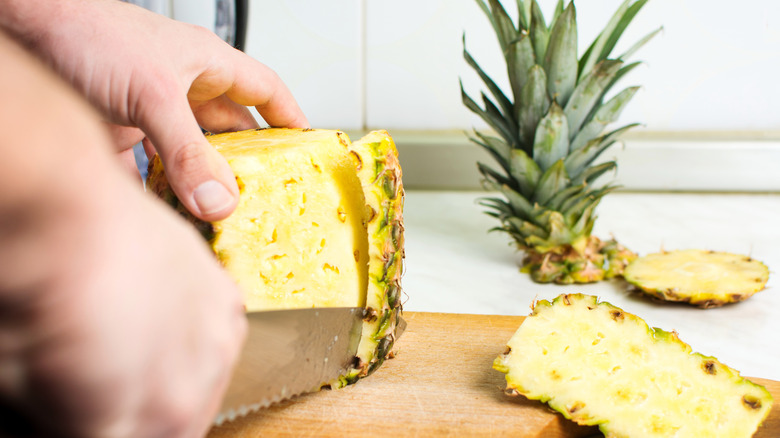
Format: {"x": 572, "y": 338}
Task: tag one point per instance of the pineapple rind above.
{"x": 599, "y": 365}
{"x": 701, "y": 278}
{"x": 379, "y": 171}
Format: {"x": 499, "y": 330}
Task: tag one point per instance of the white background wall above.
{"x": 395, "y": 64}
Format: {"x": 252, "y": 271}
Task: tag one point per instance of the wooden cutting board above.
{"x": 441, "y": 383}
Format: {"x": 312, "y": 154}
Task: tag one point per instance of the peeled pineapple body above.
{"x": 298, "y": 238}
{"x": 318, "y": 224}
{"x": 599, "y": 365}
{"x": 701, "y": 278}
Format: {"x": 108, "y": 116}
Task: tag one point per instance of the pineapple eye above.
{"x": 315, "y": 165}
{"x": 371, "y": 213}
{"x": 328, "y": 267}
{"x": 356, "y": 158}
{"x": 274, "y": 237}
{"x": 751, "y": 401}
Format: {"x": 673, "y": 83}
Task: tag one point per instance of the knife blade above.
{"x": 290, "y": 352}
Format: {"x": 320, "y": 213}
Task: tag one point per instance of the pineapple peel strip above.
{"x": 599, "y": 365}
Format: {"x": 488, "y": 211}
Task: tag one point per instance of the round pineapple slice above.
{"x": 700, "y": 278}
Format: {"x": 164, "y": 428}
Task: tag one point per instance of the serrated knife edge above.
{"x": 288, "y": 353}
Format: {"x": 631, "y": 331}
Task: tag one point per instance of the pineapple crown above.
{"x": 553, "y": 130}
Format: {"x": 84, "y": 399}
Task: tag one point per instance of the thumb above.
{"x": 198, "y": 174}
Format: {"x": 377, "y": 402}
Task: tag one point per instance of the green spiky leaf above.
{"x": 552, "y": 181}
{"x": 527, "y": 229}
{"x": 579, "y": 159}
{"x": 533, "y": 105}
{"x": 519, "y": 59}
{"x": 588, "y": 93}
{"x": 498, "y": 148}
{"x": 524, "y": 15}
{"x": 525, "y": 171}
{"x": 558, "y": 235}
{"x": 540, "y": 33}
{"x": 491, "y": 176}
{"x": 593, "y": 54}
{"x": 503, "y": 101}
{"x": 560, "y": 61}
{"x": 573, "y": 191}
{"x": 551, "y": 142}
{"x": 495, "y": 121}
{"x": 628, "y": 53}
{"x": 505, "y": 29}
{"x": 591, "y": 174}
{"x": 603, "y": 116}
{"x": 557, "y": 12}
{"x": 617, "y": 32}
{"x": 520, "y": 205}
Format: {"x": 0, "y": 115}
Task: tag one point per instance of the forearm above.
{"x": 52, "y": 147}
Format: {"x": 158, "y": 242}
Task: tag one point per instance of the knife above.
{"x": 290, "y": 352}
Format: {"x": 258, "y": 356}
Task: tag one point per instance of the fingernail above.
{"x": 212, "y": 197}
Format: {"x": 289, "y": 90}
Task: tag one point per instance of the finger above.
{"x": 236, "y": 330}
{"x": 127, "y": 161}
{"x": 124, "y": 137}
{"x": 149, "y": 148}
{"x": 223, "y": 115}
{"x": 198, "y": 174}
{"x": 251, "y": 83}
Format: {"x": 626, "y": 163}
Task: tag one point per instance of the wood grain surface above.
{"x": 441, "y": 383}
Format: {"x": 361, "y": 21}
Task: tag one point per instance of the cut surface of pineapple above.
{"x": 319, "y": 223}
{"x": 698, "y": 277}
{"x": 298, "y": 236}
{"x": 599, "y": 365}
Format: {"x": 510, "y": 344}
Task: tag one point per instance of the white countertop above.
{"x": 454, "y": 265}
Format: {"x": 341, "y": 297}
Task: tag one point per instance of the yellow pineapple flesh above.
{"x": 701, "y": 278}
{"x": 298, "y": 238}
{"x": 599, "y": 365}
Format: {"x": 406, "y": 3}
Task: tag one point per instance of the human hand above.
{"x": 165, "y": 78}
{"x": 115, "y": 319}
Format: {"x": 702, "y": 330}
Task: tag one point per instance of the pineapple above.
{"x": 701, "y": 278}
{"x": 549, "y": 136}
{"x": 318, "y": 224}
{"x": 599, "y": 365}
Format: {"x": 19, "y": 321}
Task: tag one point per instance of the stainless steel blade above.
{"x": 289, "y": 352}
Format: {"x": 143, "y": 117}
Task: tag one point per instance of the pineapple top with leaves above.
{"x": 552, "y": 130}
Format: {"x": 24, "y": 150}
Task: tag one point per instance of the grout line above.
{"x": 362, "y": 63}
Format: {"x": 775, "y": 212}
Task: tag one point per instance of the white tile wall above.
{"x": 396, "y": 64}
{"x": 315, "y": 47}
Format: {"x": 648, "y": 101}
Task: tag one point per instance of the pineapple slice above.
{"x": 701, "y": 278}
{"x": 379, "y": 171}
{"x": 318, "y": 224}
{"x": 599, "y": 365}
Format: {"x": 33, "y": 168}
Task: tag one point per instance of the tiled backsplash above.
{"x": 395, "y": 64}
